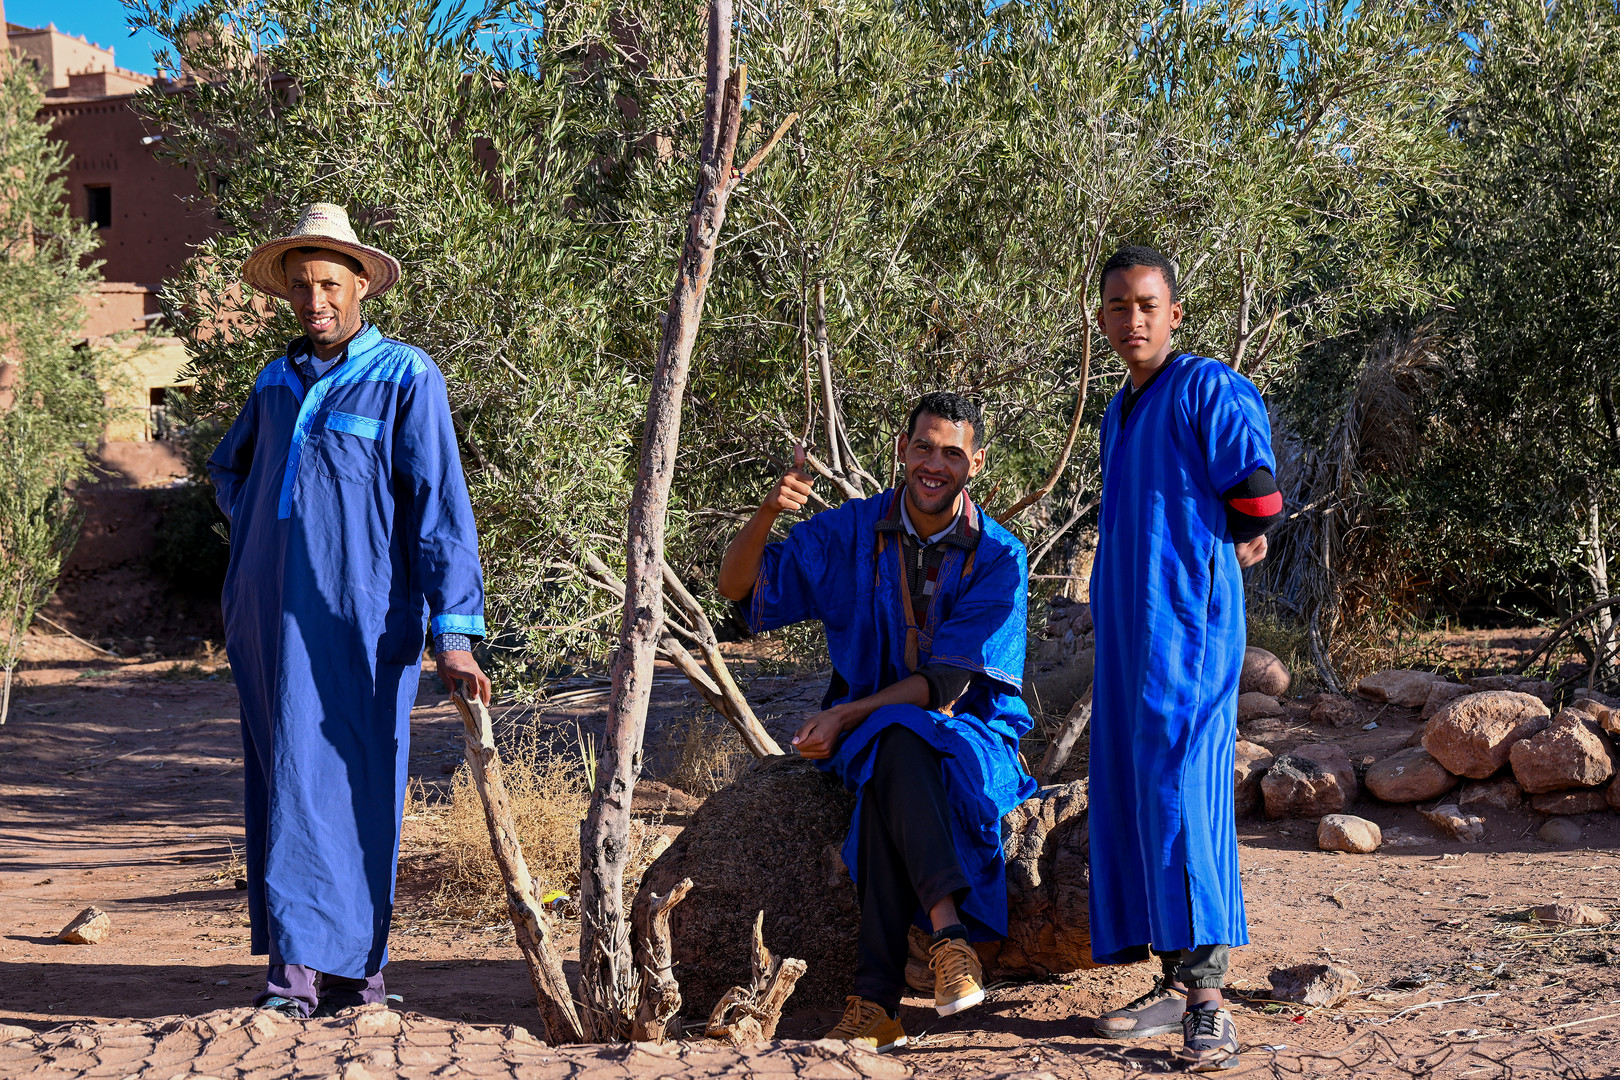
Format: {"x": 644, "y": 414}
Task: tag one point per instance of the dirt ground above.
{"x": 122, "y": 788}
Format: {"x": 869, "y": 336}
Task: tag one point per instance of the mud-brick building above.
{"x": 145, "y": 211}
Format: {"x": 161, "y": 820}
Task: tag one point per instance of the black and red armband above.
{"x": 1253, "y": 506}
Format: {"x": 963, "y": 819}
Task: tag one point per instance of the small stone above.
{"x": 1469, "y": 828}
{"x": 1346, "y": 832}
{"x": 1561, "y": 831}
{"x": 1409, "y": 776}
{"x": 1263, "y": 673}
{"x": 377, "y": 1020}
{"x": 1318, "y": 985}
{"x": 1572, "y": 752}
{"x": 8, "y": 1032}
{"x": 1502, "y": 794}
{"x": 88, "y": 927}
{"x": 1254, "y": 705}
{"x": 1249, "y": 764}
{"x": 1335, "y": 711}
{"x": 1441, "y": 694}
{"x": 1569, "y": 802}
{"x": 1310, "y": 781}
{"x": 1571, "y": 915}
{"x": 1604, "y": 709}
{"x": 1404, "y": 689}
{"x": 1474, "y": 735}
{"x": 1394, "y": 837}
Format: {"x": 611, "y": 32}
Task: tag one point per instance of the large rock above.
{"x": 1442, "y": 694}
{"x": 1517, "y": 683}
{"x": 1346, "y": 832}
{"x": 1569, "y": 802}
{"x": 89, "y": 927}
{"x": 1263, "y": 673}
{"x": 1409, "y": 776}
{"x": 1473, "y": 735}
{"x": 1611, "y": 795}
{"x": 1405, "y": 689}
{"x": 770, "y": 841}
{"x": 1318, "y": 985}
{"x": 1501, "y": 794}
{"x": 1571, "y": 752}
{"x": 1249, "y": 764}
{"x": 1309, "y": 781}
{"x": 1607, "y": 716}
{"x": 1254, "y": 705}
{"x": 1560, "y": 830}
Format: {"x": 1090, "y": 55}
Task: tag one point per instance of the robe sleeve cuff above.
{"x": 470, "y": 625}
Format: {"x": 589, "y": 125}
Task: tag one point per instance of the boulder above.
{"x": 88, "y": 927}
{"x": 1571, "y": 752}
{"x": 770, "y": 841}
{"x": 1473, "y": 735}
{"x": 1346, "y": 832}
{"x": 1441, "y": 694}
{"x": 1570, "y": 914}
{"x": 1502, "y": 794}
{"x": 1249, "y": 764}
{"x": 1450, "y": 820}
{"x": 1318, "y": 985}
{"x": 1335, "y": 711}
{"x": 1561, "y": 831}
{"x": 1263, "y": 673}
{"x": 1409, "y": 776}
{"x": 1517, "y": 683}
{"x": 1254, "y": 705}
{"x": 1611, "y": 795}
{"x": 1607, "y": 716}
{"x": 1055, "y": 691}
{"x": 1404, "y": 689}
{"x": 1569, "y": 802}
{"x": 1309, "y": 781}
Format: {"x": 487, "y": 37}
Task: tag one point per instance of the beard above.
{"x": 937, "y": 501}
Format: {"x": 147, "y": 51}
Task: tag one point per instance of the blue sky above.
{"x": 102, "y": 21}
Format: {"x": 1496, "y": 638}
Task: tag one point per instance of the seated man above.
{"x": 922, "y": 597}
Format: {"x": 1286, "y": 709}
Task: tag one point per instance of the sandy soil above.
{"x": 122, "y": 788}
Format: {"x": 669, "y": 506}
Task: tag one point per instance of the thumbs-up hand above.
{"x": 793, "y": 490}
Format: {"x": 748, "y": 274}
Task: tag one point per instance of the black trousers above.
{"x": 906, "y": 861}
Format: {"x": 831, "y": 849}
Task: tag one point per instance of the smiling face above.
{"x": 940, "y": 458}
{"x": 325, "y": 294}
{"x": 1138, "y": 316}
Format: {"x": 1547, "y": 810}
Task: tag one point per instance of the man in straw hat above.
{"x": 351, "y": 535}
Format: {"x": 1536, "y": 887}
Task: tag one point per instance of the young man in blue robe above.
{"x": 923, "y": 599}
{"x": 1188, "y": 492}
{"x": 351, "y": 534}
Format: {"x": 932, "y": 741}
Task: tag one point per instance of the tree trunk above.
{"x": 608, "y": 979}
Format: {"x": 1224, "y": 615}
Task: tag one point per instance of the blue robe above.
{"x": 350, "y": 524}
{"x": 838, "y": 568}
{"x": 1167, "y": 600}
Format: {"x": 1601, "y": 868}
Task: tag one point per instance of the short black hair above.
{"x": 343, "y": 257}
{"x": 952, "y": 407}
{"x": 1139, "y": 255}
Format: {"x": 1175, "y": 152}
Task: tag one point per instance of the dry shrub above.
{"x": 549, "y": 796}
{"x": 707, "y": 753}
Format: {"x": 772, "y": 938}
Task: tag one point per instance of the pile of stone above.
{"x": 1069, "y": 622}
{"x": 1496, "y": 737}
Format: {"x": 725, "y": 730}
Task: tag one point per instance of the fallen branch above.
{"x": 529, "y": 919}
{"x": 748, "y": 1015}
{"x": 1062, "y": 745}
{"x": 660, "y": 991}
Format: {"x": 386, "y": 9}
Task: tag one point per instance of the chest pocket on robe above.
{"x": 350, "y": 448}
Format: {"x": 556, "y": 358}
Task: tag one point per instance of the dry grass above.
{"x": 707, "y": 753}
{"x": 549, "y": 795}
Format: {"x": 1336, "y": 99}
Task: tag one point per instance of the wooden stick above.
{"x": 748, "y": 1015}
{"x": 660, "y": 991}
{"x": 1058, "y": 750}
{"x": 529, "y": 919}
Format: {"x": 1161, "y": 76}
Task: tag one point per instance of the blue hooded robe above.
{"x": 350, "y": 524}
{"x": 1167, "y": 601}
{"x": 839, "y": 568}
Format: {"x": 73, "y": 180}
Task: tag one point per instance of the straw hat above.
{"x": 322, "y": 225}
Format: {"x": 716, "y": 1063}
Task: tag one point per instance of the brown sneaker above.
{"x": 1209, "y": 1040}
{"x": 958, "y": 976}
{"x": 866, "y": 1024}
{"x": 1157, "y": 1012}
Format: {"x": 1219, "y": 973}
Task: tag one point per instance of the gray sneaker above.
{"x": 1209, "y": 1040}
{"x": 1157, "y": 1012}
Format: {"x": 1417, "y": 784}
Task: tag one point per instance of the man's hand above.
{"x": 818, "y": 736}
{"x": 458, "y": 666}
{"x": 791, "y": 492}
{"x": 1252, "y": 552}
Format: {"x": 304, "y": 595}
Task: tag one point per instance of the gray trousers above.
{"x": 1202, "y": 968}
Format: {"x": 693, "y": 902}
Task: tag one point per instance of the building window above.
{"x": 98, "y": 206}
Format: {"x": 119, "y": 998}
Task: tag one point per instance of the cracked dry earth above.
{"x": 123, "y": 789}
